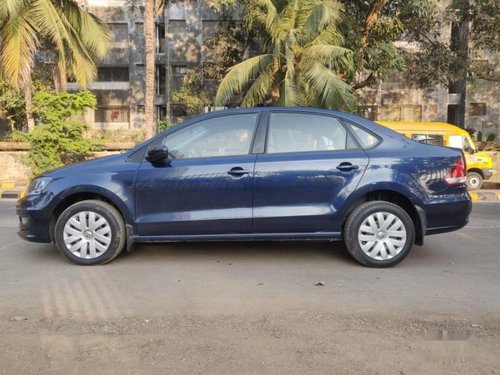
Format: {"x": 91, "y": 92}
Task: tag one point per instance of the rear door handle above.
{"x": 238, "y": 171}
{"x": 346, "y": 166}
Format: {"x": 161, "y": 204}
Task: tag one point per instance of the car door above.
{"x": 205, "y": 185}
{"x": 310, "y": 165}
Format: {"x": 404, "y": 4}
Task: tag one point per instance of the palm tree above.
{"x": 304, "y": 63}
{"x": 77, "y": 38}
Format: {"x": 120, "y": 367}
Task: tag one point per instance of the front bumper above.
{"x": 487, "y": 173}
{"x": 34, "y": 219}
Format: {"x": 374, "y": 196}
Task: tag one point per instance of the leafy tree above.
{"x": 407, "y": 36}
{"x": 77, "y": 37}
{"x": 222, "y": 50}
{"x": 59, "y": 138}
{"x": 12, "y": 106}
{"x": 303, "y": 61}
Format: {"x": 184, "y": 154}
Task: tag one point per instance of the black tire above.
{"x": 356, "y": 219}
{"x": 474, "y": 181}
{"x": 113, "y": 218}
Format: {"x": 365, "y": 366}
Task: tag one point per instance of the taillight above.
{"x": 457, "y": 174}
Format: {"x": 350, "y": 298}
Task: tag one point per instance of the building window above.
{"x": 161, "y": 112}
{"x": 178, "y": 73}
{"x": 161, "y": 80}
{"x": 112, "y": 114}
{"x": 112, "y": 74}
{"x": 120, "y": 31}
{"x": 210, "y": 28}
{"x": 477, "y": 109}
{"x": 176, "y": 28}
{"x": 160, "y": 38}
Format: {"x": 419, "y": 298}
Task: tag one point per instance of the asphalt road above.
{"x": 253, "y": 308}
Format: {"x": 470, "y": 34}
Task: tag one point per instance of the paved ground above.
{"x": 253, "y": 308}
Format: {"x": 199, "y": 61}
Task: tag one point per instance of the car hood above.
{"x": 93, "y": 165}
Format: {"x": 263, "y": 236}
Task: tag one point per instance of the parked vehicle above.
{"x": 254, "y": 174}
{"x": 479, "y": 164}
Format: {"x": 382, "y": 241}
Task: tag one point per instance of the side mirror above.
{"x": 470, "y": 150}
{"x": 157, "y": 154}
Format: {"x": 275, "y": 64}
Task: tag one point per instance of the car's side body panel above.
{"x": 194, "y": 196}
{"x": 301, "y": 191}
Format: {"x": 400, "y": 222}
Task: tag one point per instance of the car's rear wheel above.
{"x": 90, "y": 232}
{"x": 379, "y": 234}
{"x": 474, "y": 181}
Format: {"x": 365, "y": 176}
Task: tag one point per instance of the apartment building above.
{"x": 120, "y": 84}
{"x": 180, "y": 33}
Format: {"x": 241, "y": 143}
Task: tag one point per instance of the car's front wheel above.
{"x": 90, "y": 232}
{"x": 379, "y": 234}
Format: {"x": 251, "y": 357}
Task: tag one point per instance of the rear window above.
{"x": 431, "y": 139}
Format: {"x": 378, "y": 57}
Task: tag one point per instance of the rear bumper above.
{"x": 448, "y": 214}
{"x": 487, "y": 173}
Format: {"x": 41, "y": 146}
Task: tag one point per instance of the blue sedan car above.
{"x": 254, "y": 174}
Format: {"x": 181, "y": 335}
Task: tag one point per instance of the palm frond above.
{"x": 73, "y": 55}
{"x": 323, "y": 14}
{"x": 260, "y": 90}
{"x": 339, "y": 59}
{"x": 271, "y": 12}
{"x": 239, "y": 77}
{"x": 289, "y": 96}
{"x": 327, "y": 90}
{"x": 95, "y": 34}
{"x": 330, "y": 35}
{"x": 11, "y": 8}
{"x": 18, "y": 44}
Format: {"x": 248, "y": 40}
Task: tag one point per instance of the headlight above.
{"x": 37, "y": 186}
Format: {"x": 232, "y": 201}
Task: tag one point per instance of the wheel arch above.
{"x": 394, "y": 196}
{"x": 72, "y": 197}
{"x": 477, "y": 170}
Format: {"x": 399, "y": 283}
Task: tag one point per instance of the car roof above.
{"x": 370, "y": 125}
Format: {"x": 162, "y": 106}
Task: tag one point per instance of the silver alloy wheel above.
{"x": 382, "y": 236}
{"x": 87, "y": 235}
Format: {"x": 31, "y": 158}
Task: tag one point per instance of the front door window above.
{"x": 222, "y": 136}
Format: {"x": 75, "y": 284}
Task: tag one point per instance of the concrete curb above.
{"x": 11, "y": 194}
{"x": 485, "y": 196}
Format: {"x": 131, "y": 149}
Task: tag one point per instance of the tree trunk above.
{"x": 28, "y": 95}
{"x": 371, "y": 19}
{"x": 149, "y": 50}
{"x": 275, "y": 97}
{"x": 60, "y": 79}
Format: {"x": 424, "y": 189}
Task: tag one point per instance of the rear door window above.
{"x": 301, "y": 132}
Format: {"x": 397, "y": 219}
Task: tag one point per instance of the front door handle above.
{"x": 346, "y": 166}
{"x": 238, "y": 171}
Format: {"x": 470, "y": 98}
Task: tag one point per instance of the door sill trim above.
{"x": 320, "y": 236}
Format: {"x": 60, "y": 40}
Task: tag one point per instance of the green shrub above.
{"x": 490, "y": 137}
{"x": 58, "y": 138}
{"x": 163, "y": 125}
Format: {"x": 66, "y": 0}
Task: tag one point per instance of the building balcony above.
{"x": 73, "y": 86}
